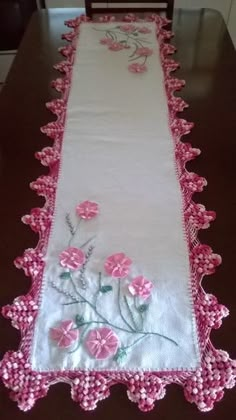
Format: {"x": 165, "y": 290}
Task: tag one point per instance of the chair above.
{"x": 161, "y": 6}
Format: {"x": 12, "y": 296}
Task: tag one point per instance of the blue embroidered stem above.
{"x": 130, "y": 313}
{"x": 120, "y": 310}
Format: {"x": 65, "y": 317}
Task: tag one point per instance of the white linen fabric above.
{"x": 118, "y": 151}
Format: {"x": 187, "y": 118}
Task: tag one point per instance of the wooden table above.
{"x": 208, "y": 62}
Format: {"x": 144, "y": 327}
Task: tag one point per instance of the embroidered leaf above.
{"x": 120, "y": 354}
{"x": 65, "y": 275}
{"x": 142, "y": 308}
{"x": 105, "y": 289}
{"x": 79, "y": 320}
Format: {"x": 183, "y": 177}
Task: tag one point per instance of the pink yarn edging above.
{"x": 205, "y": 385}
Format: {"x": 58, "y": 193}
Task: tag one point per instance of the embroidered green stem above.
{"x": 135, "y": 50}
{"x": 135, "y": 342}
{"x": 80, "y": 339}
{"x": 130, "y": 313}
{"x": 98, "y": 290}
{"x": 88, "y": 302}
{"x": 83, "y": 269}
{"x": 145, "y": 333}
{"x": 105, "y": 320}
{"x": 139, "y": 40}
{"x": 63, "y": 291}
{"x": 75, "y": 231}
{"x": 145, "y": 59}
{"x": 70, "y": 224}
{"x": 99, "y": 280}
{"x": 139, "y": 313}
{"x": 72, "y": 303}
{"x": 112, "y": 34}
{"x": 120, "y": 310}
{"x": 87, "y": 242}
{"x": 135, "y": 58}
{"x": 129, "y": 36}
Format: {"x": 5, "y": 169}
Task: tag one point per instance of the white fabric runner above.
{"x": 118, "y": 152}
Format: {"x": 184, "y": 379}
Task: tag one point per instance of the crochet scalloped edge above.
{"x": 206, "y": 384}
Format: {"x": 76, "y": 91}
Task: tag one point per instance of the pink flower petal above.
{"x": 141, "y": 286}
{"x": 116, "y": 46}
{"x": 65, "y": 334}
{"x": 101, "y": 343}
{"x": 144, "y": 30}
{"x": 118, "y": 265}
{"x": 106, "y": 41}
{"x": 137, "y": 68}
{"x": 128, "y": 28}
{"x": 87, "y": 210}
{"x": 72, "y": 258}
{"x": 144, "y": 51}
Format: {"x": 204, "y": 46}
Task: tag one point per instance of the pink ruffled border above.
{"x": 206, "y": 385}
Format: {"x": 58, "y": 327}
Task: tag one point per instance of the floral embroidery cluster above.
{"x": 101, "y": 342}
{"x": 129, "y": 36}
{"x": 206, "y": 385}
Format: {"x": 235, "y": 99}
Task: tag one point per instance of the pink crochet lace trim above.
{"x": 206, "y": 385}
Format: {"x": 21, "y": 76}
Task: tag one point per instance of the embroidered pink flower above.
{"x": 140, "y": 286}
{"x": 106, "y": 41}
{"x": 128, "y": 28}
{"x": 115, "y": 46}
{"x": 87, "y": 210}
{"x": 101, "y": 343}
{"x": 137, "y": 68}
{"x": 65, "y": 334}
{"x": 72, "y": 258}
{"x": 144, "y": 30}
{"x": 118, "y": 265}
{"x": 144, "y": 52}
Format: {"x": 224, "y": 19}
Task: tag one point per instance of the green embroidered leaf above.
{"x": 143, "y": 308}
{"x": 65, "y": 275}
{"x": 105, "y": 289}
{"x": 79, "y": 320}
{"x": 120, "y": 354}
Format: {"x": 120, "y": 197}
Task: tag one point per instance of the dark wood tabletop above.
{"x": 208, "y": 64}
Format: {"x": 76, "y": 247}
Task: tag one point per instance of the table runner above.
{"x": 116, "y": 293}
